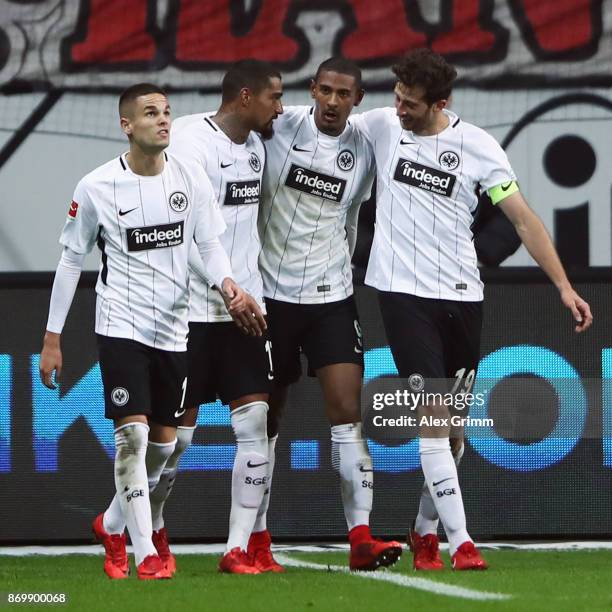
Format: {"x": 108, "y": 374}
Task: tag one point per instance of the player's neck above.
{"x": 232, "y": 125}
{"x": 145, "y": 164}
{"x": 439, "y": 124}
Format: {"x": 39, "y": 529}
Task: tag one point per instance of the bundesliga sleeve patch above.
{"x": 501, "y": 192}
{"x": 72, "y": 211}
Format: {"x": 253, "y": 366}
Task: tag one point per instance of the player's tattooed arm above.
{"x": 534, "y": 236}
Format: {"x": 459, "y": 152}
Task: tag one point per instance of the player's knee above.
{"x": 131, "y": 441}
{"x": 342, "y": 409}
{"x": 250, "y": 422}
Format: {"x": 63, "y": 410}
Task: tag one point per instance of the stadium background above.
{"x": 536, "y": 74}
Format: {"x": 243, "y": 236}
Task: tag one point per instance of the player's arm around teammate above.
{"x": 430, "y": 166}
{"x": 143, "y": 210}
{"x": 318, "y": 171}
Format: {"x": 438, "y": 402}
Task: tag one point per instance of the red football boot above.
{"x": 116, "y": 564}
{"x": 160, "y": 541}
{"x": 467, "y": 557}
{"x": 425, "y": 551}
{"x": 260, "y": 553}
{"x": 152, "y": 568}
{"x": 236, "y": 561}
{"x": 368, "y": 553}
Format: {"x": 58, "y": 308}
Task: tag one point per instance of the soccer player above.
{"x": 430, "y": 167}
{"x": 143, "y": 210}
{"x": 223, "y": 361}
{"x": 319, "y": 170}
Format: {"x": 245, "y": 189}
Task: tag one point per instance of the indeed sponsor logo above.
{"x": 316, "y": 183}
{"x": 242, "y": 192}
{"x": 155, "y": 236}
{"x": 423, "y": 177}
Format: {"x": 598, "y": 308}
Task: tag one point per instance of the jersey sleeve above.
{"x": 183, "y": 145}
{"x": 369, "y": 123}
{"x": 209, "y": 222}
{"x": 81, "y": 228}
{"x": 495, "y": 167}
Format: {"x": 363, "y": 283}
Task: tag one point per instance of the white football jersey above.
{"x": 426, "y": 196}
{"x": 235, "y": 171}
{"x": 143, "y": 226}
{"x": 311, "y": 180}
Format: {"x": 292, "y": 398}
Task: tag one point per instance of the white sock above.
{"x": 163, "y": 488}
{"x": 262, "y": 513}
{"x": 351, "y": 459}
{"x": 156, "y": 458}
{"x": 132, "y": 486}
{"x": 427, "y": 519}
{"x": 113, "y": 520}
{"x": 440, "y": 474}
{"x": 250, "y": 472}
{"x": 158, "y": 454}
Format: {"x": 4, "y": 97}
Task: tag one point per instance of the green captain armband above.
{"x": 501, "y": 192}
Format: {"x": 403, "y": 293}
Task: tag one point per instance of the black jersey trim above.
{"x": 121, "y": 162}
{"x": 212, "y": 125}
{"x": 101, "y": 245}
{"x": 456, "y": 122}
{"x": 166, "y": 156}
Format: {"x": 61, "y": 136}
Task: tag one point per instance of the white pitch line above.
{"x": 422, "y": 584}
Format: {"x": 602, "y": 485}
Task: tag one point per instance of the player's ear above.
{"x": 440, "y": 104}
{"x": 359, "y": 97}
{"x": 245, "y": 96}
{"x": 126, "y": 125}
{"x": 313, "y": 88}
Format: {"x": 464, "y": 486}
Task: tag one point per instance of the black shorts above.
{"x": 225, "y": 362}
{"x": 438, "y": 339}
{"x": 140, "y": 379}
{"x": 326, "y": 333}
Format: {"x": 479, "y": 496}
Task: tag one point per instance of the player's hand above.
{"x": 233, "y": 295}
{"x": 50, "y": 360}
{"x": 581, "y": 311}
{"x": 255, "y": 321}
{"x": 243, "y": 308}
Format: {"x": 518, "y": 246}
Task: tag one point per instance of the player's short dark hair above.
{"x": 342, "y": 66}
{"x": 427, "y": 69}
{"x": 250, "y": 73}
{"x": 135, "y": 91}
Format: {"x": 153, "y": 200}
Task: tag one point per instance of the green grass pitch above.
{"x": 520, "y": 580}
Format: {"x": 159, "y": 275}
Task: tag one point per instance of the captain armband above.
{"x": 501, "y": 192}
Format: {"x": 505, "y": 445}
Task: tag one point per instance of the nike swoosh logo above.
{"x": 180, "y": 413}
{"x": 405, "y": 142}
{"x": 254, "y": 465}
{"x": 506, "y": 187}
{"x": 125, "y": 212}
{"x": 435, "y": 484}
{"x": 296, "y": 148}
{"x": 226, "y": 165}
{"x": 362, "y": 469}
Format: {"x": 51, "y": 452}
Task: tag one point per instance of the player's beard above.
{"x": 267, "y": 131}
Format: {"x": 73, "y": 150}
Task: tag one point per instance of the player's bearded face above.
{"x": 414, "y": 113}
{"x": 148, "y": 123}
{"x": 267, "y": 106}
{"x": 335, "y": 95}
